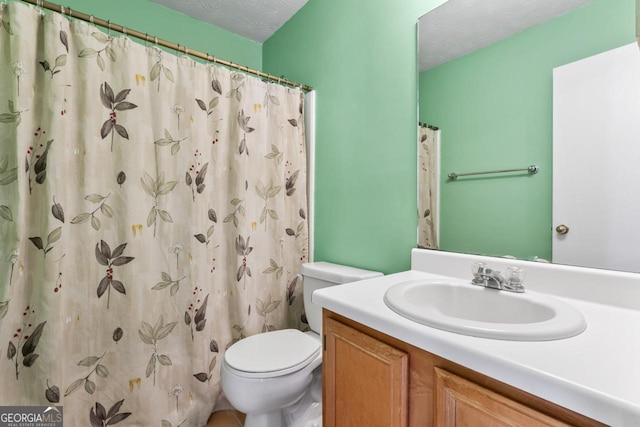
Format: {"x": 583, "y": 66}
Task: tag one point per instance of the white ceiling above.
{"x": 459, "y": 27}
{"x": 254, "y": 19}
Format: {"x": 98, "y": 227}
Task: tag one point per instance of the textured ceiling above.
{"x": 254, "y": 19}
{"x": 454, "y": 29}
{"x": 459, "y": 27}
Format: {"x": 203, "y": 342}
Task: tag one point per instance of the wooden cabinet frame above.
{"x": 381, "y": 393}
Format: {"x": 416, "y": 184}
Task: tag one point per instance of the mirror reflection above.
{"x": 490, "y": 95}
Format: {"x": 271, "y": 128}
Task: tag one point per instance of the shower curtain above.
{"x": 428, "y": 145}
{"x": 152, "y": 212}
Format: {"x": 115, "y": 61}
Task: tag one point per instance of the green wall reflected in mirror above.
{"x": 494, "y": 109}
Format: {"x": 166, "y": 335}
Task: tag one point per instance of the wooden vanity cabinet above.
{"x": 374, "y": 380}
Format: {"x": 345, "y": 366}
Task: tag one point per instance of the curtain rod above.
{"x": 147, "y": 38}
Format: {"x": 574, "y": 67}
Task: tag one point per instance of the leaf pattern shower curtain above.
{"x": 428, "y": 143}
{"x": 152, "y": 212}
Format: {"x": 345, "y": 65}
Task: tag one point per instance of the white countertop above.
{"x": 596, "y": 373}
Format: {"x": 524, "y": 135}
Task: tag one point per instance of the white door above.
{"x": 596, "y": 161}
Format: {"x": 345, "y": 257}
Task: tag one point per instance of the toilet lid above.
{"x": 272, "y": 351}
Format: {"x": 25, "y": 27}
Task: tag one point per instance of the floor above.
{"x": 228, "y": 418}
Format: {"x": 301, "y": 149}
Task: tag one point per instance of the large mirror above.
{"x": 486, "y": 92}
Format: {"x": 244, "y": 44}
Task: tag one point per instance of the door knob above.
{"x": 562, "y": 229}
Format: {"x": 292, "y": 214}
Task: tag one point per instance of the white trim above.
{"x": 310, "y": 138}
{"x": 437, "y": 186}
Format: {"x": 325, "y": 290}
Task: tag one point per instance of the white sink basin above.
{"x": 488, "y": 313}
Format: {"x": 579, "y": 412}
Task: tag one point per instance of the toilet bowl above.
{"x": 278, "y": 375}
{"x": 268, "y": 372}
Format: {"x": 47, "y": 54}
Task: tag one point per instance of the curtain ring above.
{"x": 61, "y": 8}
{"x": 109, "y": 28}
{"x": 124, "y": 31}
{"x": 40, "y": 5}
{"x": 146, "y": 39}
{"x": 91, "y": 19}
{"x": 70, "y": 12}
{"x": 156, "y": 40}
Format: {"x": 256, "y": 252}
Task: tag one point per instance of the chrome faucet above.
{"x": 485, "y": 276}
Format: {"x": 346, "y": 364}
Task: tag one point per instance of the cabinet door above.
{"x": 462, "y": 403}
{"x": 365, "y": 380}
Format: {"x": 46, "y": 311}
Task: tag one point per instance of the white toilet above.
{"x": 264, "y": 374}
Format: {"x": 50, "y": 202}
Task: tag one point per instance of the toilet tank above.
{"x": 318, "y": 275}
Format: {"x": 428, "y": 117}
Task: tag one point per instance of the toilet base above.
{"x": 307, "y": 412}
{"x": 269, "y": 419}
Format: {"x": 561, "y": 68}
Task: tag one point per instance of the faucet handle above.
{"x": 515, "y": 278}
{"x": 478, "y": 268}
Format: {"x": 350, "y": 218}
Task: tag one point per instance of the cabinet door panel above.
{"x": 365, "y": 380}
{"x": 462, "y": 403}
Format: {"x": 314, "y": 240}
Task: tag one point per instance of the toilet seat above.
{"x": 272, "y": 354}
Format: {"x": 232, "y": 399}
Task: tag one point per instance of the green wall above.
{"x": 494, "y": 107}
{"x": 360, "y": 56}
{"x": 159, "y": 21}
